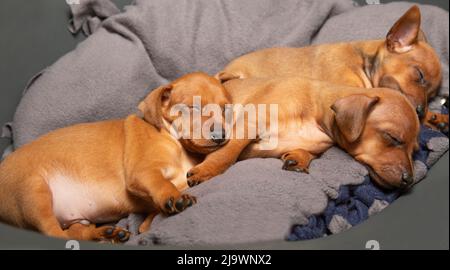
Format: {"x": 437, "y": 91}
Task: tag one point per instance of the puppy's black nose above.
{"x": 420, "y": 111}
{"x": 218, "y": 137}
{"x": 407, "y": 180}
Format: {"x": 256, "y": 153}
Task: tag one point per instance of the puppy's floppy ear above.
{"x": 351, "y": 113}
{"x": 405, "y": 32}
{"x": 153, "y": 104}
{"x": 225, "y": 76}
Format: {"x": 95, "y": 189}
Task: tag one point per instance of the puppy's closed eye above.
{"x": 420, "y": 76}
{"x": 393, "y": 140}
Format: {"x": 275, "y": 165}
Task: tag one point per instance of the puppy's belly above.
{"x": 306, "y": 136}
{"x": 77, "y": 200}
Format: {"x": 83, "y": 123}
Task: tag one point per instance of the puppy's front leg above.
{"x": 297, "y": 160}
{"x": 150, "y": 185}
{"x": 217, "y": 162}
{"x": 144, "y": 174}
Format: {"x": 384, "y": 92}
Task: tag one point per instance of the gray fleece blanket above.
{"x": 152, "y": 42}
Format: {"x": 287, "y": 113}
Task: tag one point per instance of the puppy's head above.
{"x": 381, "y": 132}
{"x": 181, "y": 108}
{"x": 407, "y": 63}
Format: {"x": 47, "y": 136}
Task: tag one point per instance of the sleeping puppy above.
{"x": 378, "y": 128}
{"x": 403, "y": 61}
{"x": 67, "y": 181}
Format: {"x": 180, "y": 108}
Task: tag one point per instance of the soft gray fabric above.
{"x": 153, "y": 42}
{"x": 437, "y": 147}
{"x": 377, "y": 207}
{"x": 88, "y": 15}
{"x": 6, "y": 130}
{"x": 338, "y": 224}
{"x": 7, "y": 133}
{"x": 253, "y": 201}
{"x": 436, "y": 104}
{"x": 420, "y": 171}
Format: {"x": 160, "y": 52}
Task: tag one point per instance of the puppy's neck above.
{"x": 171, "y": 130}
{"x": 369, "y": 54}
{"x": 327, "y": 123}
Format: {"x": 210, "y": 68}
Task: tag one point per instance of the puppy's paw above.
{"x": 292, "y": 165}
{"x": 437, "y": 121}
{"x": 297, "y": 161}
{"x": 175, "y": 205}
{"x": 113, "y": 234}
{"x": 198, "y": 175}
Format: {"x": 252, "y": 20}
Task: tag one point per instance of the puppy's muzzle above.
{"x": 420, "y": 111}
{"x": 218, "y": 137}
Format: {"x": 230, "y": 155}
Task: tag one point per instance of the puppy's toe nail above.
{"x": 193, "y": 200}
{"x": 291, "y": 162}
{"x": 191, "y": 183}
{"x": 169, "y": 204}
{"x": 143, "y": 242}
{"x": 179, "y": 205}
{"x": 109, "y": 231}
{"x": 189, "y": 203}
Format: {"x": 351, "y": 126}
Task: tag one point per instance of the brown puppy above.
{"x": 313, "y": 116}
{"x": 403, "y": 61}
{"x": 85, "y": 174}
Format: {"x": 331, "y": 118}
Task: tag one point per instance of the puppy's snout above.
{"x": 218, "y": 137}
{"x": 420, "y": 111}
{"x": 407, "y": 180}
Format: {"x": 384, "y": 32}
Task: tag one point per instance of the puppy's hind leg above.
{"x": 37, "y": 212}
{"x": 90, "y": 232}
{"x": 37, "y": 209}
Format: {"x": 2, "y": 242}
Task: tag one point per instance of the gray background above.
{"x": 34, "y": 35}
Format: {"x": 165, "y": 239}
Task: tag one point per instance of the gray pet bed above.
{"x": 131, "y": 52}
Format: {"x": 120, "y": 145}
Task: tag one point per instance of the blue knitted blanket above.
{"x": 356, "y": 203}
